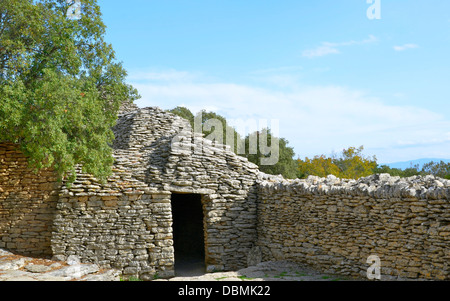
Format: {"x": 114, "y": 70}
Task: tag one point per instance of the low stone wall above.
{"x": 130, "y": 232}
{"x": 27, "y": 204}
{"x": 335, "y": 224}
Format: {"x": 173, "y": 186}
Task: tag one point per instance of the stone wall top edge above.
{"x": 377, "y": 185}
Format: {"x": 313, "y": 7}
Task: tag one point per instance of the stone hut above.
{"x": 174, "y": 197}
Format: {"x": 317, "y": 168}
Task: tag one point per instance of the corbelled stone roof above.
{"x": 173, "y": 156}
{"x": 157, "y": 149}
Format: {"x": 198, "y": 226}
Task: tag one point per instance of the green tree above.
{"x": 351, "y": 164}
{"x": 318, "y": 166}
{"x": 212, "y": 125}
{"x": 184, "y": 113}
{"x": 216, "y": 127}
{"x": 60, "y": 85}
{"x": 284, "y": 163}
{"x": 386, "y": 169}
{"x": 439, "y": 169}
{"x": 407, "y": 172}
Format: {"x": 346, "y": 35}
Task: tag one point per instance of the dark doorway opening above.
{"x": 188, "y": 234}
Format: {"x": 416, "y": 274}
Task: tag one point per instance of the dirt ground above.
{"x": 266, "y": 271}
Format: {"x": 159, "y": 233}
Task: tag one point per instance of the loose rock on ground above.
{"x": 267, "y": 271}
{"x": 19, "y": 268}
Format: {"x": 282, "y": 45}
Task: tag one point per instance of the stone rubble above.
{"x": 268, "y": 271}
{"x": 377, "y": 185}
{"x": 19, "y": 268}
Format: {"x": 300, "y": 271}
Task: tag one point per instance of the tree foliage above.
{"x": 285, "y": 164}
{"x": 439, "y": 169}
{"x": 351, "y": 164}
{"x": 407, "y": 172}
{"x": 60, "y": 85}
{"x": 321, "y": 166}
{"x": 212, "y": 125}
{"x": 216, "y": 127}
{"x": 184, "y": 113}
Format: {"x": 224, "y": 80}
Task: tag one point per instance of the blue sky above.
{"x": 331, "y": 76}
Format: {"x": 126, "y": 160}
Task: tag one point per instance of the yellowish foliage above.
{"x": 350, "y": 165}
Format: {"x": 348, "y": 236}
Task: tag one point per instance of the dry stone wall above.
{"x": 121, "y": 224}
{"x": 27, "y": 204}
{"x": 336, "y": 224}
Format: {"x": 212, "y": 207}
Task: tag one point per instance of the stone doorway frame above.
{"x": 190, "y": 268}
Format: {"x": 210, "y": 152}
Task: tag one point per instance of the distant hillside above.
{"x": 421, "y": 162}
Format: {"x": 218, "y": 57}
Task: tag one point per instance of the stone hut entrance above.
{"x": 188, "y": 234}
{"x": 126, "y": 223}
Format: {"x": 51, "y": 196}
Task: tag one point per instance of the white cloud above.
{"x": 315, "y": 119}
{"x": 405, "y": 47}
{"x": 333, "y": 48}
{"x": 283, "y": 77}
{"x": 320, "y": 51}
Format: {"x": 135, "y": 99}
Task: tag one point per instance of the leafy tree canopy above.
{"x": 351, "y": 164}
{"x": 321, "y": 166}
{"x": 212, "y": 125}
{"x": 215, "y": 126}
{"x": 284, "y": 164}
{"x": 60, "y": 85}
{"x": 185, "y": 113}
{"x": 407, "y": 172}
{"x": 439, "y": 169}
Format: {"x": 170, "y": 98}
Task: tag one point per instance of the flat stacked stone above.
{"x": 336, "y": 224}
